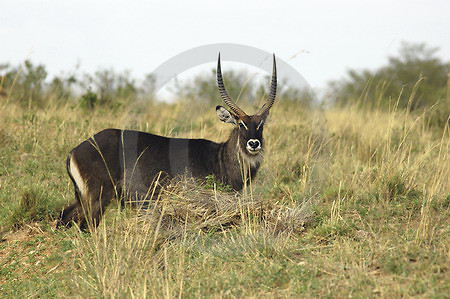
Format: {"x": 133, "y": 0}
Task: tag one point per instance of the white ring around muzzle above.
{"x": 253, "y": 146}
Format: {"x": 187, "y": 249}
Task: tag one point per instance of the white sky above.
{"x": 328, "y": 37}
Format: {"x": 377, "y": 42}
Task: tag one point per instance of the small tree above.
{"x": 25, "y": 83}
{"x": 416, "y": 77}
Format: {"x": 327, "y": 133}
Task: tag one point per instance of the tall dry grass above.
{"x": 347, "y": 202}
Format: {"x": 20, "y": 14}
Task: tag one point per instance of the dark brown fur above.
{"x": 127, "y": 164}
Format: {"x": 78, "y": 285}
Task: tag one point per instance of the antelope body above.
{"x": 132, "y": 164}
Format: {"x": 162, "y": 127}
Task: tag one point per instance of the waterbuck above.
{"x": 130, "y": 164}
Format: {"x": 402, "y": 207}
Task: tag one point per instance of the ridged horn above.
{"x": 273, "y": 90}
{"x": 223, "y": 93}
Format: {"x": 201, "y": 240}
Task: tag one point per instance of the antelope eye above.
{"x": 242, "y": 125}
{"x": 260, "y": 125}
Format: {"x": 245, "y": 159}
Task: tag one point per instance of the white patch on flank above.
{"x": 75, "y": 172}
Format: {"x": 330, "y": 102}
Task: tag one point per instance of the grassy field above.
{"x": 347, "y": 203}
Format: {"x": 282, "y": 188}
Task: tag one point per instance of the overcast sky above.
{"x": 321, "y": 39}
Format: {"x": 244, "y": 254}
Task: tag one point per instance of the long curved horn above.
{"x": 273, "y": 90}
{"x": 223, "y": 93}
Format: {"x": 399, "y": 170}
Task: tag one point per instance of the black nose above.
{"x": 253, "y": 144}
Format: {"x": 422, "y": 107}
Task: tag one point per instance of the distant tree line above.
{"x": 29, "y": 84}
{"x": 415, "y": 79}
{"x": 240, "y": 87}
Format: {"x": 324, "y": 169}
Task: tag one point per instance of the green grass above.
{"x": 347, "y": 203}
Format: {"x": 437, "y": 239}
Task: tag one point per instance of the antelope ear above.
{"x": 226, "y": 116}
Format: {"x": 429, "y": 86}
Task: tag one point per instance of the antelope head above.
{"x": 249, "y": 127}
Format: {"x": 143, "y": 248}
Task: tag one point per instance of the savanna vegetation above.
{"x": 352, "y": 199}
